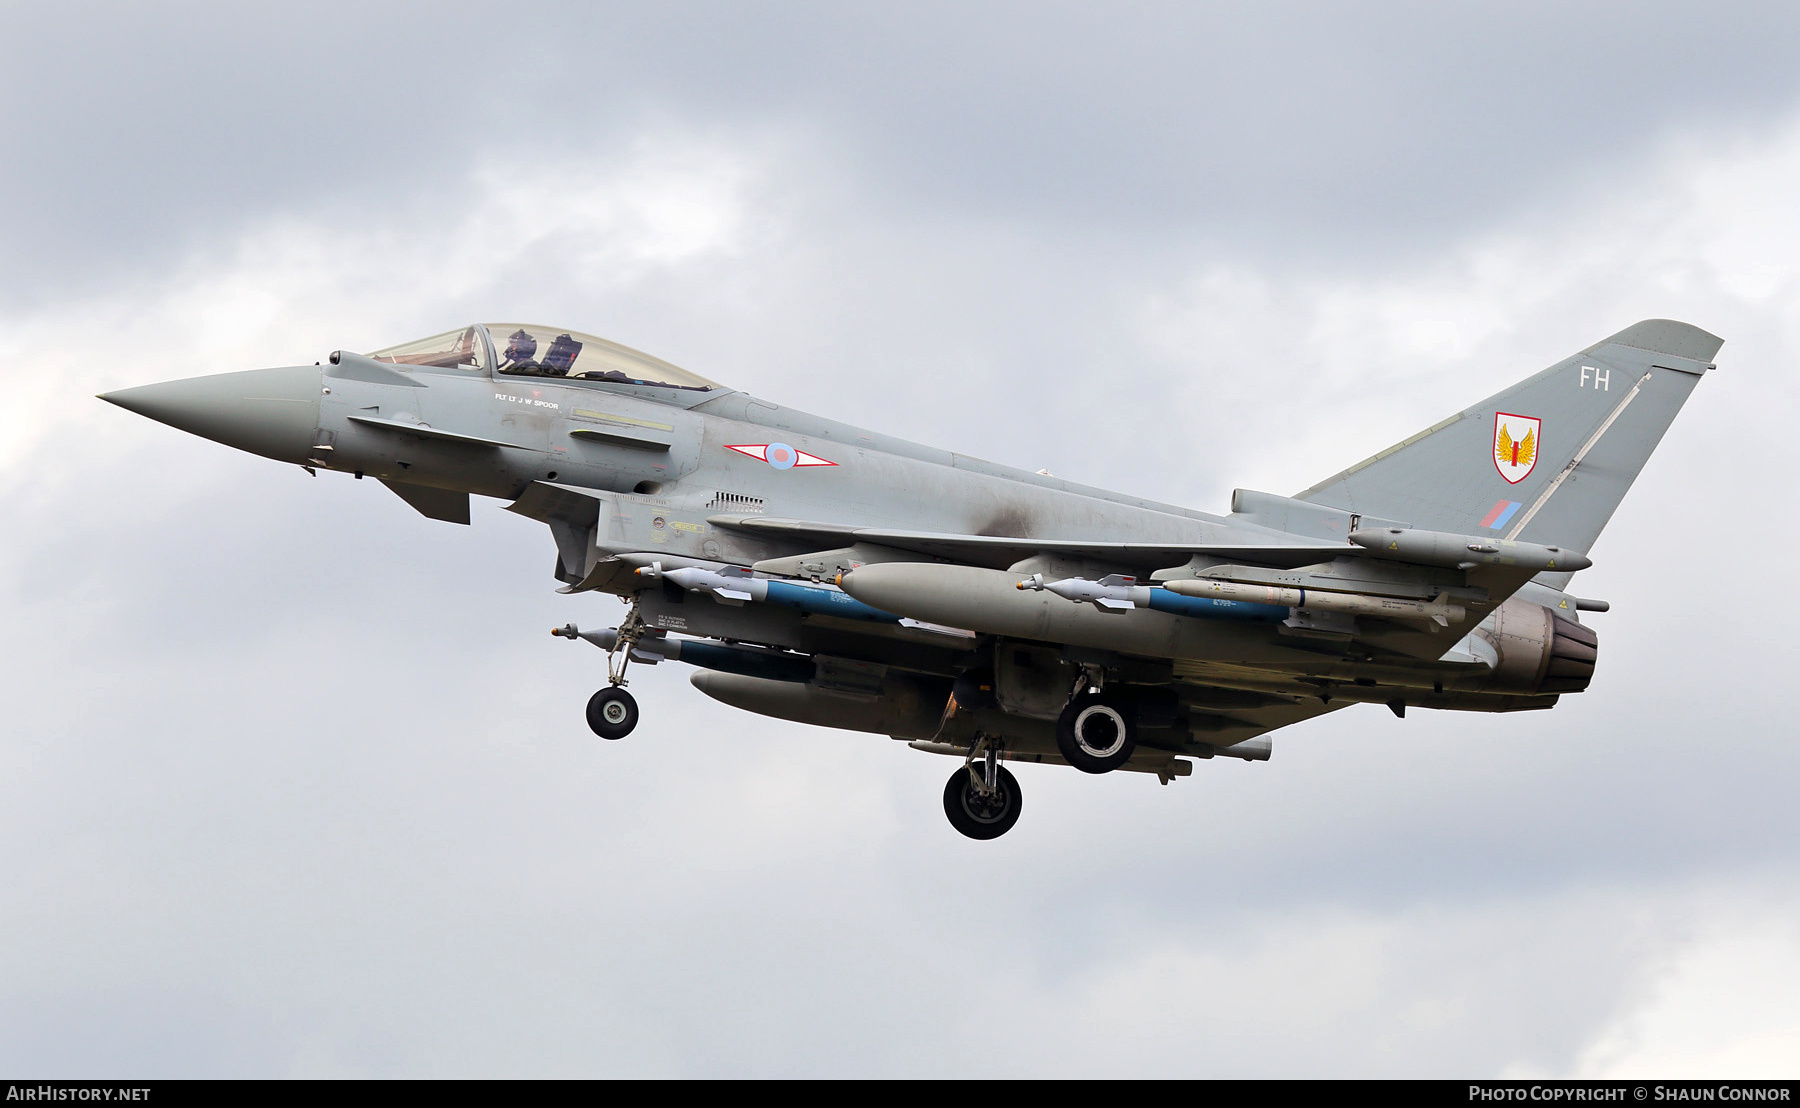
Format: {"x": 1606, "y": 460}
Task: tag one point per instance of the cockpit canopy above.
{"x": 462, "y": 349}
{"x": 532, "y": 350}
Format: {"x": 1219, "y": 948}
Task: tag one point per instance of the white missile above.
{"x": 1115, "y": 594}
{"x": 1439, "y": 611}
{"x": 735, "y": 586}
{"x": 731, "y": 587}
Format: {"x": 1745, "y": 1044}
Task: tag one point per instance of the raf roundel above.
{"x": 779, "y": 455}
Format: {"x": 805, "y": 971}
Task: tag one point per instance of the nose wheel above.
{"x": 612, "y": 712}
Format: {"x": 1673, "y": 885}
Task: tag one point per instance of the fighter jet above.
{"x": 825, "y": 574}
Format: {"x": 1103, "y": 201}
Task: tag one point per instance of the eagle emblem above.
{"x": 1516, "y": 441}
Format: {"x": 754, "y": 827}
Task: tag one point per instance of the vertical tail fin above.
{"x": 1547, "y": 460}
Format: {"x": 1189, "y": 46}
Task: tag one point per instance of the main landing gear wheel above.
{"x": 1095, "y": 733}
{"x": 976, "y": 815}
{"x": 612, "y": 713}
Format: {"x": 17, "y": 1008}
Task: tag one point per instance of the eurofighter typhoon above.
{"x": 820, "y": 573}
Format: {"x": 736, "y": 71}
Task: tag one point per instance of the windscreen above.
{"x": 460, "y": 349}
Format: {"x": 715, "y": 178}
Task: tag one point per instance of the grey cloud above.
{"x": 1268, "y": 130}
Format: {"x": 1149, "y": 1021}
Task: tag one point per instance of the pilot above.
{"x": 520, "y": 346}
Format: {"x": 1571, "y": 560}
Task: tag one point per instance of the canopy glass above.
{"x": 459, "y": 349}
{"x": 534, "y": 350}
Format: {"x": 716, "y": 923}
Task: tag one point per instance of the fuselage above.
{"x": 692, "y": 453}
{"x": 684, "y": 474}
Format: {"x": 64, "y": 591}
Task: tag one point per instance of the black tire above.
{"x": 1107, "y": 733}
{"x": 977, "y": 816}
{"x": 612, "y": 713}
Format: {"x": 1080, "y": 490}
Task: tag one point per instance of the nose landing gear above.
{"x": 612, "y": 712}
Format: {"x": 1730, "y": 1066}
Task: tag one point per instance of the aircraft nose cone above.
{"x": 272, "y": 412}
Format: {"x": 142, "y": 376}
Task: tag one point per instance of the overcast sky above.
{"x": 293, "y": 782}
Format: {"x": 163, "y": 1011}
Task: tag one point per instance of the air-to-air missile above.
{"x": 734, "y": 585}
{"x": 1211, "y": 599}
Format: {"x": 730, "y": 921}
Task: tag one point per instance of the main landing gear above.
{"x": 1096, "y": 733}
{"x": 982, "y": 798}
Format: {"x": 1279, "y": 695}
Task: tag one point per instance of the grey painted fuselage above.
{"x": 1436, "y": 569}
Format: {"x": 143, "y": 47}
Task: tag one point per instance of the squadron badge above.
{"x": 1516, "y": 445}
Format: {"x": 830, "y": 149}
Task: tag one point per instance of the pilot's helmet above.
{"x": 520, "y": 346}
